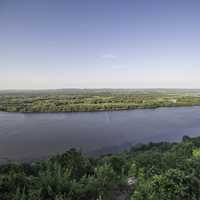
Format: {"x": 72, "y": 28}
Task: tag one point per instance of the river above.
{"x": 36, "y": 136}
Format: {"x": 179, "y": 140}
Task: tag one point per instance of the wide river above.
{"x": 35, "y": 136}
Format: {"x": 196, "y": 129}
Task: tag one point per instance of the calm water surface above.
{"x": 34, "y": 136}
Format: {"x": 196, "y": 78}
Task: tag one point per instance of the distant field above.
{"x": 85, "y": 100}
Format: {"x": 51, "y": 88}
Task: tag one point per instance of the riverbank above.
{"x": 93, "y": 101}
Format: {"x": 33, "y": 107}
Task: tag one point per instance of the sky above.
{"x": 49, "y": 44}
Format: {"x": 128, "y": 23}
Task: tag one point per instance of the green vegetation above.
{"x": 163, "y": 171}
{"x": 94, "y": 100}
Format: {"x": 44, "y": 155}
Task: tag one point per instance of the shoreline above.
{"x": 99, "y": 111}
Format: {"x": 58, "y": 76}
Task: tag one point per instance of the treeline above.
{"x": 162, "y": 171}
{"x": 93, "y": 101}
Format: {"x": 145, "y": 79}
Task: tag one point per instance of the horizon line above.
{"x": 103, "y": 88}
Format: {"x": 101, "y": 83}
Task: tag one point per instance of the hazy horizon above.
{"x": 50, "y": 44}
{"x": 92, "y": 88}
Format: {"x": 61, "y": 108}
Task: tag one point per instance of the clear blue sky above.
{"x": 99, "y": 43}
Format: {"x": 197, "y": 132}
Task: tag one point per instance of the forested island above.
{"x": 153, "y": 171}
{"x": 88, "y": 100}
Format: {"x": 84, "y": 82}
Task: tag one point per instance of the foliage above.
{"x": 163, "y": 171}
{"x": 94, "y": 100}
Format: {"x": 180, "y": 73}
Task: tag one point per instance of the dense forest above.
{"x": 158, "y": 171}
{"x": 75, "y": 100}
